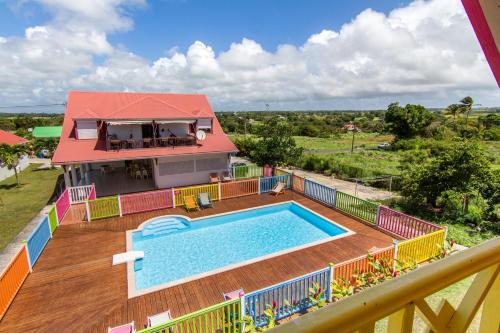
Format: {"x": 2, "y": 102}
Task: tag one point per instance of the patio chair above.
{"x": 145, "y": 174}
{"x": 138, "y": 174}
{"x": 159, "y": 319}
{"x": 127, "y": 328}
{"x": 205, "y": 200}
{"x": 214, "y": 178}
{"x": 191, "y": 203}
{"x": 278, "y": 189}
{"x": 226, "y": 177}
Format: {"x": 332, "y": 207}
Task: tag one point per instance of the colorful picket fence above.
{"x": 103, "y": 208}
{"x": 180, "y": 193}
{"x": 320, "y": 192}
{"x": 12, "y": 278}
{"x": 79, "y": 194}
{"x": 421, "y": 248}
{"x": 298, "y": 183}
{"x": 346, "y": 269}
{"x": 357, "y": 207}
{"x": 288, "y": 297}
{"x": 267, "y": 183}
{"x": 223, "y": 317}
{"x": 62, "y": 204}
{"x": 239, "y": 188}
{"x": 279, "y": 172}
{"x": 92, "y": 193}
{"x": 247, "y": 171}
{"x": 146, "y": 201}
{"x": 52, "y": 216}
{"x": 37, "y": 240}
{"x": 402, "y": 224}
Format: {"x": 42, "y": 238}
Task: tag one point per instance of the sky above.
{"x": 244, "y": 54}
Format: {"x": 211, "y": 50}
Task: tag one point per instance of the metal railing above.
{"x": 117, "y": 144}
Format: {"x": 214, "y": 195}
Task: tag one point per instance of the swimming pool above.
{"x": 178, "y": 249}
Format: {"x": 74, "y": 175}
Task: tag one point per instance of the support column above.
{"x": 87, "y": 170}
{"x": 67, "y": 181}
{"x": 82, "y": 173}
{"x": 74, "y": 178}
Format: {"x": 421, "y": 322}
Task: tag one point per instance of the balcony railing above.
{"x": 400, "y": 299}
{"x": 117, "y": 144}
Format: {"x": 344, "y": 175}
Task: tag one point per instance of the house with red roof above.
{"x": 11, "y": 140}
{"x": 128, "y": 142}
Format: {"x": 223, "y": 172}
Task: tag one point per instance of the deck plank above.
{"x": 74, "y": 288}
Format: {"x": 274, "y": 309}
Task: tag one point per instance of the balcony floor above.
{"x": 117, "y": 181}
{"x": 74, "y": 287}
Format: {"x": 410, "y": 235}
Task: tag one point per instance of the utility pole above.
{"x": 352, "y": 143}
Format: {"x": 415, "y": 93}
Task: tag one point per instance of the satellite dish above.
{"x": 200, "y": 135}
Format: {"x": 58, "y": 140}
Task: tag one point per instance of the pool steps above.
{"x": 164, "y": 226}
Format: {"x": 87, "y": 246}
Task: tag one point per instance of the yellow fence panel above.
{"x": 421, "y": 248}
{"x": 181, "y": 192}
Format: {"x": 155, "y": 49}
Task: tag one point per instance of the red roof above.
{"x": 114, "y": 106}
{"x": 11, "y": 139}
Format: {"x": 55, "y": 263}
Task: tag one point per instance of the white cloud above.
{"x": 425, "y": 52}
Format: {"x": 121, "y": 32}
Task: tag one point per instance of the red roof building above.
{"x": 152, "y": 140}
{"x": 11, "y": 139}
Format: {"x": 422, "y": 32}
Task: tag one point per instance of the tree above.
{"x": 407, "y": 122}
{"x": 453, "y": 109}
{"x": 466, "y": 107}
{"x": 462, "y": 168}
{"x": 276, "y": 145}
{"x": 10, "y": 156}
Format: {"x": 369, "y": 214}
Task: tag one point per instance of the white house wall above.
{"x": 188, "y": 170}
{"x": 87, "y": 129}
{"x": 5, "y": 172}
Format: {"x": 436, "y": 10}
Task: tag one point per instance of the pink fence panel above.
{"x": 347, "y": 268}
{"x": 92, "y": 194}
{"x": 402, "y": 224}
{"x": 146, "y": 201}
{"x": 62, "y": 205}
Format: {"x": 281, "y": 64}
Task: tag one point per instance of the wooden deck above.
{"x": 74, "y": 288}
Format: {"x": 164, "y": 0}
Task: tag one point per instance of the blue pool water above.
{"x": 174, "y": 248}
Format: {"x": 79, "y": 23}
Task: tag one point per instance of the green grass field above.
{"x": 19, "y": 205}
{"x": 361, "y": 140}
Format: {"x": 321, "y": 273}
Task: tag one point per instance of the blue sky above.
{"x": 243, "y": 54}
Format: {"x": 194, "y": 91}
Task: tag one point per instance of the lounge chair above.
{"x": 226, "y": 177}
{"x": 214, "y": 178}
{"x": 233, "y": 294}
{"x": 127, "y": 328}
{"x": 279, "y": 188}
{"x": 205, "y": 200}
{"x": 159, "y": 318}
{"x": 191, "y": 203}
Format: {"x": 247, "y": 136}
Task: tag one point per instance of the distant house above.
{"x": 44, "y": 132}
{"x": 12, "y": 139}
{"x": 128, "y": 142}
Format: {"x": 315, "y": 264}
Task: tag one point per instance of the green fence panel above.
{"x": 52, "y": 219}
{"x": 247, "y": 171}
{"x": 223, "y": 317}
{"x": 355, "y": 206}
{"x": 104, "y": 207}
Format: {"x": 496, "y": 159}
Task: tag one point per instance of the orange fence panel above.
{"x": 361, "y": 264}
{"x": 239, "y": 188}
{"x": 298, "y": 184}
{"x": 12, "y": 278}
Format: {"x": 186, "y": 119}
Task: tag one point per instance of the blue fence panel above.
{"x": 38, "y": 239}
{"x": 320, "y": 192}
{"x": 286, "y": 298}
{"x": 267, "y": 183}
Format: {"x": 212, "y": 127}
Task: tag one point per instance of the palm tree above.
{"x": 466, "y": 107}
{"x": 10, "y": 156}
{"x": 453, "y": 109}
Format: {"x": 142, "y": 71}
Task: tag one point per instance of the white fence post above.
{"x": 25, "y": 242}
{"x": 87, "y": 207}
{"x": 330, "y": 293}
{"x": 173, "y": 197}
{"x": 395, "y": 242}
{"x": 242, "y": 309}
{"x": 220, "y": 191}
{"x": 258, "y": 185}
{"x": 120, "y": 205}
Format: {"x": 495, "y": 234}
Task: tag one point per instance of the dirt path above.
{"x": 364, "y": 192}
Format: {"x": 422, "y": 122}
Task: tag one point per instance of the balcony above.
{"x": 118, "y": 144}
